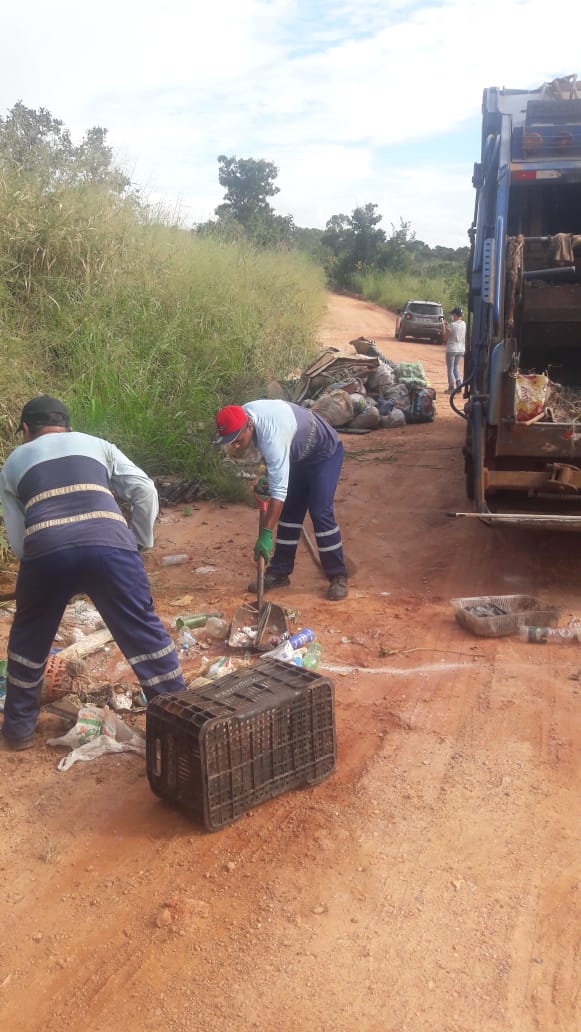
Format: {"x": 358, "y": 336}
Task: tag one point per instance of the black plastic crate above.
{"x": 222, "y": 749}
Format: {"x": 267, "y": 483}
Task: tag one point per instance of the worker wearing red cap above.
{"x": 303, "y": 457}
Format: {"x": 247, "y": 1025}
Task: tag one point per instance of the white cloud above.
{"x": 331, "y": 92}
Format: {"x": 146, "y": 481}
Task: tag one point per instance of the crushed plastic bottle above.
{"x": 174, "y": 560}
{"x": 312, "y": 656}
{"x": 216, "y": 628}
{"x": 554, "y": 635}
{"x": 187, "y": 639}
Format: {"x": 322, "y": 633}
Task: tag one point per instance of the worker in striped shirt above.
{"x": 66, "y": 528}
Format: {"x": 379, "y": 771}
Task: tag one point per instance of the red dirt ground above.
{"x": 432, "y": 883}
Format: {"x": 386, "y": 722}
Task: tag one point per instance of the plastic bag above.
{"x": 394, "y": 418}
{"x": 368, "y": 419}
{"x": 531, "y": 396}
{"x": 399, "y": 394}
{"x": 422, "y": 406}
{"x": 379, "y": 379}
{"x": 97, "y": 732}
{"x": 336, "y": 408}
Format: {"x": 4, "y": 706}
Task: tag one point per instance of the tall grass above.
{"x": 143, "y": 328}
{"x": 393, "y": 291}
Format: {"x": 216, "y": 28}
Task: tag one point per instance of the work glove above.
{"x": 263, "y": 546}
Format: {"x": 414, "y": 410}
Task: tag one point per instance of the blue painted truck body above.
{"x": 524, "y": 312}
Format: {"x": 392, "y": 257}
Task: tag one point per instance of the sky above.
{"x": 355, "y": 101}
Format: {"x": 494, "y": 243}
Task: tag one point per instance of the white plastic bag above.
{"x": 97, "y": 731}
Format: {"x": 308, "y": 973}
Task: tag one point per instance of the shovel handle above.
{"x": 260, "y": 566}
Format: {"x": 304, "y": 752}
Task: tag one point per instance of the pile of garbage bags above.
{"x": 362, "y": 390}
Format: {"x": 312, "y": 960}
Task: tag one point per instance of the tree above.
{"x": 248, "y": 183}
{"x": 355, "y": 243}
{"x": 34, "y": 142}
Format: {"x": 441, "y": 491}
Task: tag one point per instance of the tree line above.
{"x": 35, "y": 142}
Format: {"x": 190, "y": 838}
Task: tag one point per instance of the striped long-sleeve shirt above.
{"x": 57, "y": 492}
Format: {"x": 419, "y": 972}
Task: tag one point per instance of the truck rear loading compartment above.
{"x": 523, "y": 361}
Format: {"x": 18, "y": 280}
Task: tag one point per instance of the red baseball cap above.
{"x": 230, "y": 421}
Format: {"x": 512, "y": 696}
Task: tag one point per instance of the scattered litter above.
{"x": 80, "y": 612}
{"x": 187, "y": 640}
{"x": 205, "y": 569}
{"x": 195, "y": 620}
{"x": 242, "y": 636}
{"x": 215, "y": 628}
{"x": 97, "y": 732}
{"x": 221, "y": 666}
{"x": 121, "y": 701}
{"x": 174, "y": 560}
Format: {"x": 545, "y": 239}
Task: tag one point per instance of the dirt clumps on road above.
{"x": 431, "y": 883}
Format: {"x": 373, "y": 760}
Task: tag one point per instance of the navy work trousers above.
{"x": 116, "y": 582}
{"x": 311, "y": 488}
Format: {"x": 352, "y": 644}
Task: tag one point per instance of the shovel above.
{"x": 265, "y": 621}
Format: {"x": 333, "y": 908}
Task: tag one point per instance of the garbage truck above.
{"x": 521, "y": 396}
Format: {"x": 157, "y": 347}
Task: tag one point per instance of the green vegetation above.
{"x": 143, "y": 328}
{"x": 146, "y": 329}
{"x": 393, "y": 291}
{"x": 359, "y": 257}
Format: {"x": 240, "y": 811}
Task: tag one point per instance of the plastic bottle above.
{"x": 187, "y": 639}
{"x": 302, "y": 638}
{"x": 554, "y": 635}
{"x": 217, "y": 628}
{"x": 195, "y": 620}
{"x": 312, "y": 656}
{"x": 174, "y": 560}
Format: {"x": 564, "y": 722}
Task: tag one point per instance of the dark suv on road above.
{"x": 420, "y": 319}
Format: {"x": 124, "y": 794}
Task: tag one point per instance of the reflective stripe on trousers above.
{"x": 311, "y": 488}
{"x": 116, "y": 582}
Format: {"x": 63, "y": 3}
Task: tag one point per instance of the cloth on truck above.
{"x": 561, "y": 248}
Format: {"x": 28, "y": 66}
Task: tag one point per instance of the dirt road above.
{"x": 432, "y": 883}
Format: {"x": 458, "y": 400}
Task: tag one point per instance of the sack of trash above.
{"x": 399, "y": 395}
{"x": 422, "y": 408}
{"x": 368, "y": 419}
{"x": 379, "y": 379}
{"x": 412, "y": 374}
{"x": 394, "y": 418}
{"x": 359, "y": 403}
{"x": 335, "y": 407}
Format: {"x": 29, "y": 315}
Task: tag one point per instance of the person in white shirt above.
{"x": 455, "y": 338}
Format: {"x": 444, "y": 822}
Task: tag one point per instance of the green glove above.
{"x": 263, "y": 546}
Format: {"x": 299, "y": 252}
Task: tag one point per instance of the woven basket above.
{"x": 521, "y": 611}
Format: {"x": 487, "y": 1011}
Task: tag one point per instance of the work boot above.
{"x": 338, "y": 589}
{"x": 16, "y": 744}
{"x": 271, "y": 580}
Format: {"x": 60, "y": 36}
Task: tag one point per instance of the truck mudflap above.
{"x": 522, "y": 520}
